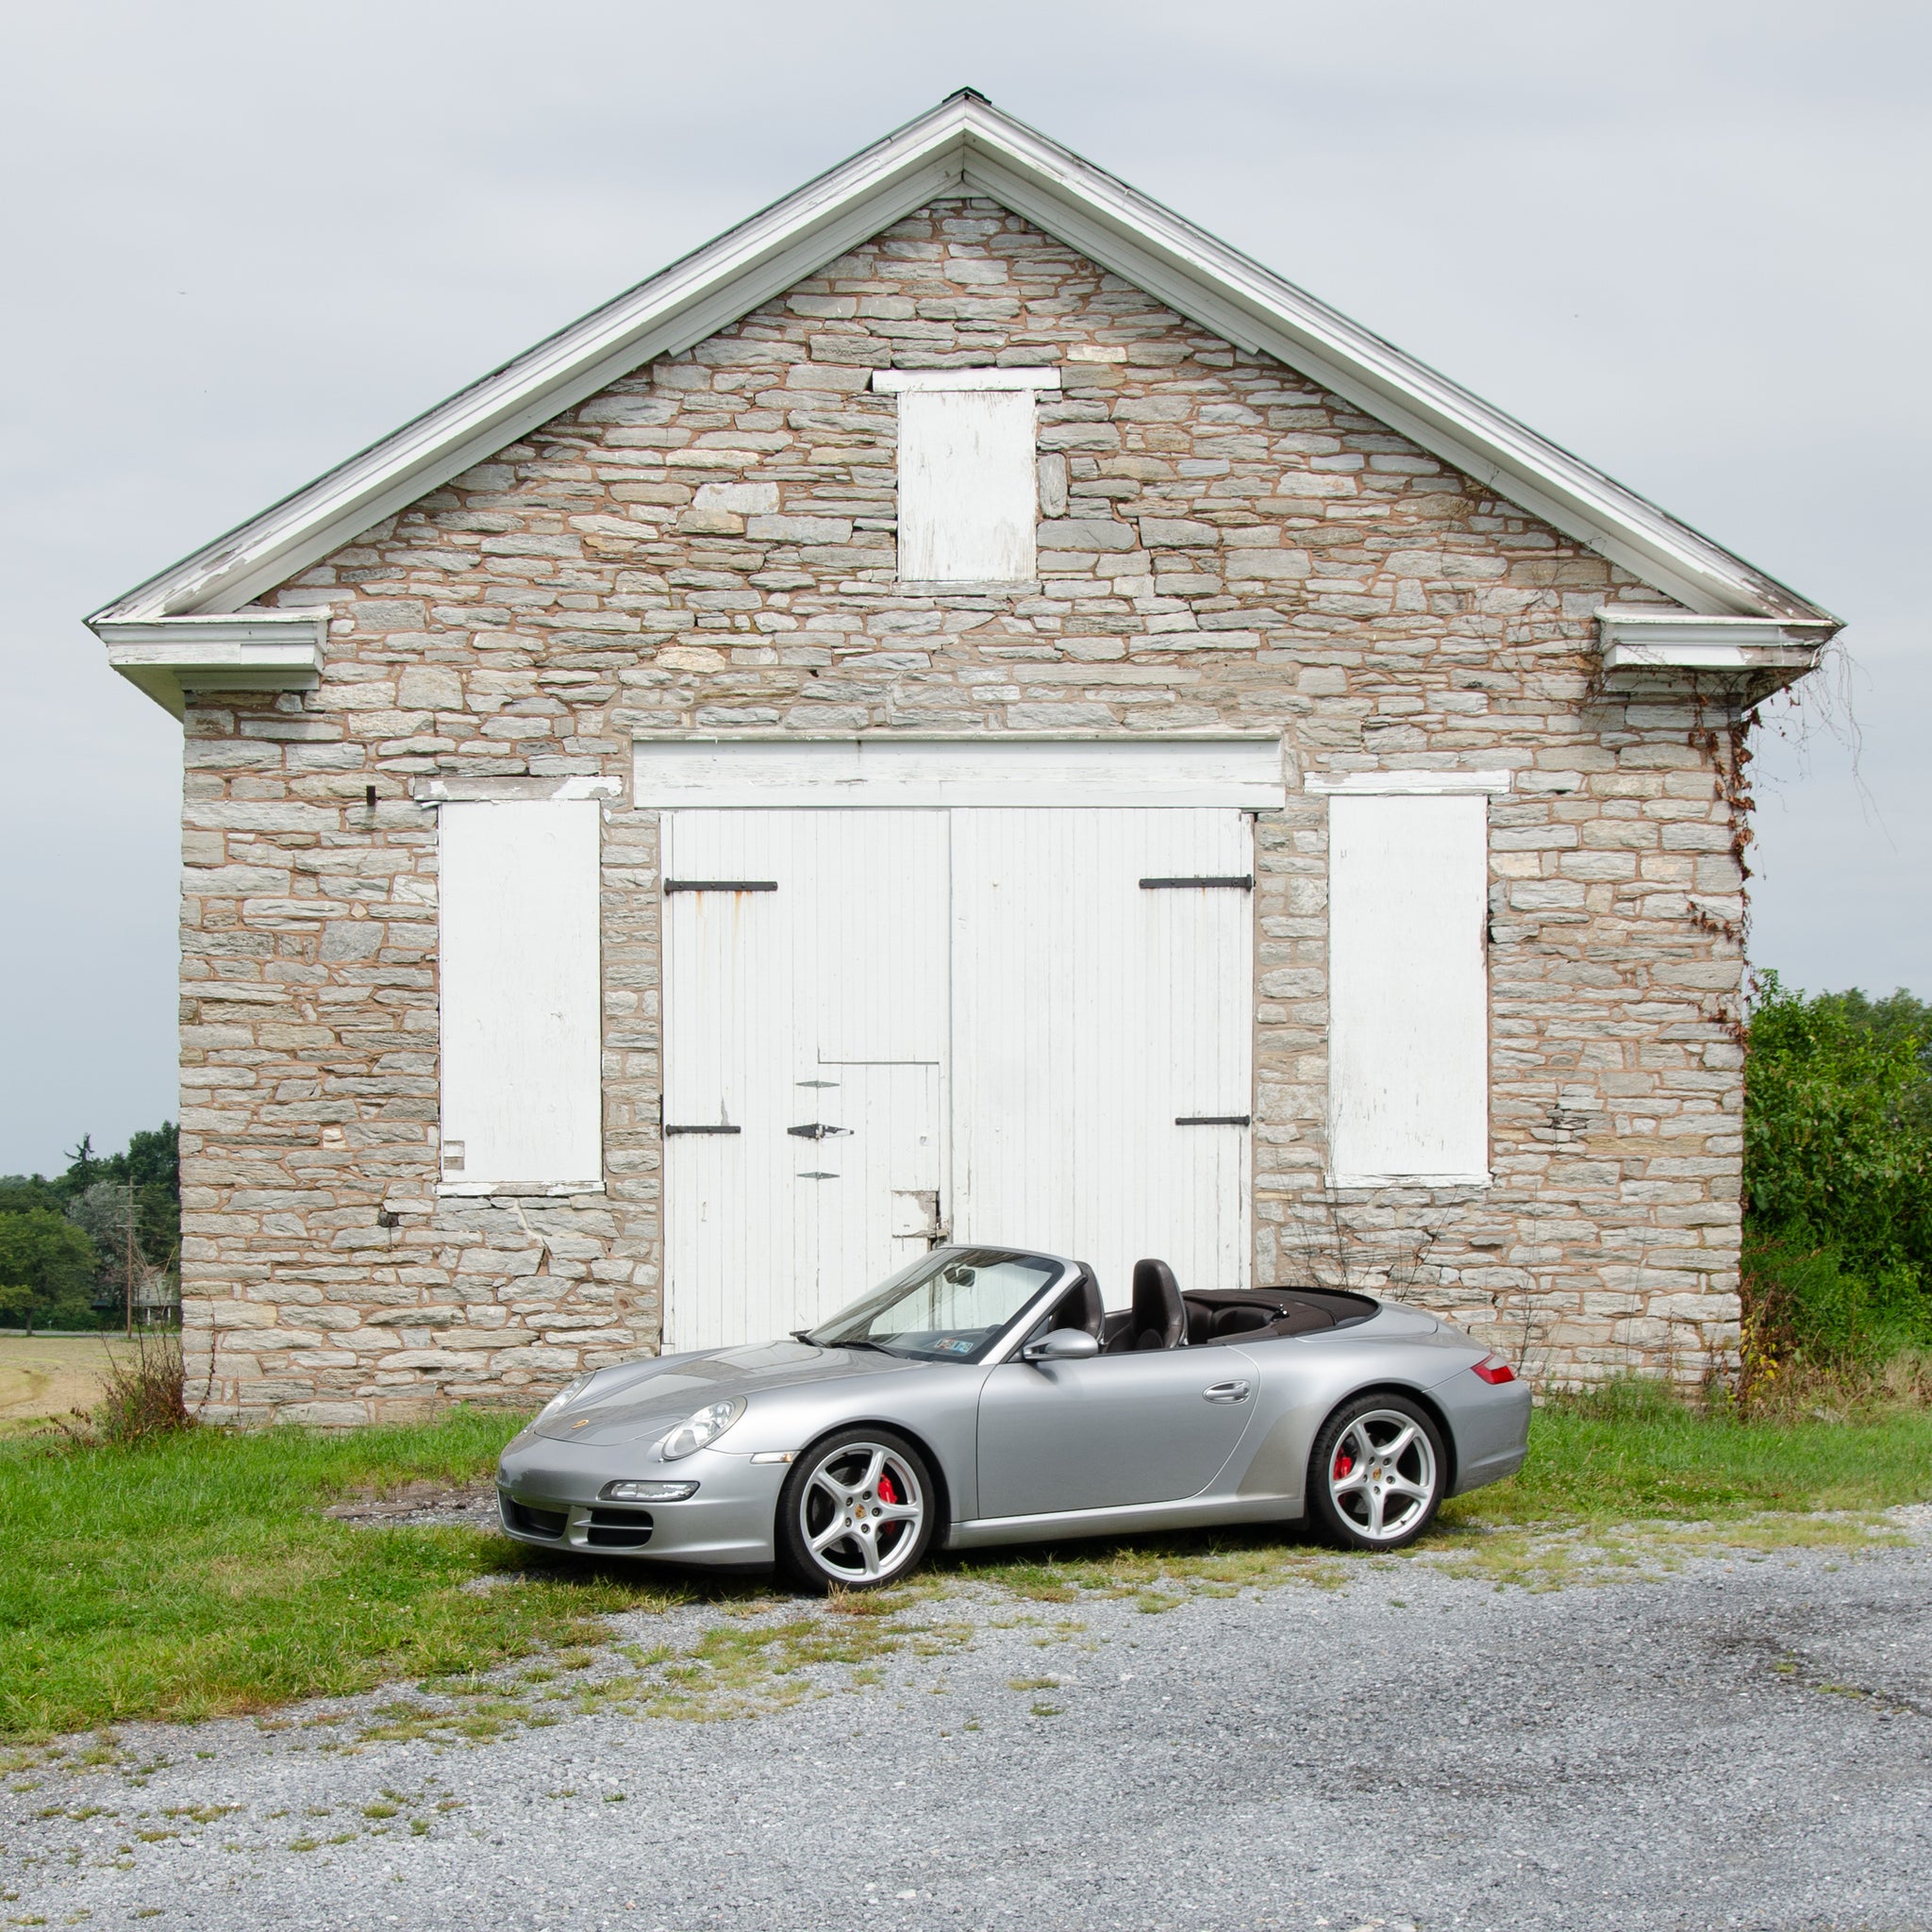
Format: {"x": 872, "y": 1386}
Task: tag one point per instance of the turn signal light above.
{"x": 1492, "y": 1368}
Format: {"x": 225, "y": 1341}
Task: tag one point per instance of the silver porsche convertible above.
{"x": 986, "y": 1395}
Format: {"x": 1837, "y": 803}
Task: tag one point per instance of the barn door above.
{"x": 805, "y": 1024}
{"x": 1102, "y": 1037}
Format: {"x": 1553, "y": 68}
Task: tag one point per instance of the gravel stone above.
{"x": 1745, "y": 1742}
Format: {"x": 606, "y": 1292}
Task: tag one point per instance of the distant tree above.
{"x": 152, "y": 1162}
{"x": 109, "y": 1215}
{"x": 93, "y": 1192}
{"x": 20, "y": 1191}
{"x": 44, "y": 1253}
{"x": 84, "y": 1166}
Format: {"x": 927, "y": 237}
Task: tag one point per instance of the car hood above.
{"x": 647, "y": 1398}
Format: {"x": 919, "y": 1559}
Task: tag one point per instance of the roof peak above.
{"x": 963, "y": 144}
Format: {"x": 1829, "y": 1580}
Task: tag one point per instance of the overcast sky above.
{"x": 1690, "y": 240}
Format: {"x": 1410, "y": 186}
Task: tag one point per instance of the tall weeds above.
{"x": 144, "y": 1393}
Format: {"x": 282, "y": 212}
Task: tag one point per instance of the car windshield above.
{"x": 949, "y": 1305}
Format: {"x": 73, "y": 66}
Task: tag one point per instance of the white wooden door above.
{"x": 806, "y": 1012}
{"x": 1102, "y": 1065}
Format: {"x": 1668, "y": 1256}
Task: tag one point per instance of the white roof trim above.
{"x": 1668, "y": 640}
{"x": 258, "y": 650}
{"x": 963, "y": 145}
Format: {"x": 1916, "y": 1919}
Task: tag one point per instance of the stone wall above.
{"x": 708, "y": 544}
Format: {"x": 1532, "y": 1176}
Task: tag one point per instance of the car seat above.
{"x": 1158, "y": 1316}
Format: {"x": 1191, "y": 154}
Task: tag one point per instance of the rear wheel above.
{"x": 1376, "y": 1473}
{"x": 857, "y": 1511}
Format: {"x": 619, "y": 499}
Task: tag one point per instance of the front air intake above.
{"x": 618, "y": 1529}
{"x": 527, "y": 1522}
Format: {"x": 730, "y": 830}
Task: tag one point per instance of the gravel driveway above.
{"x": 1742, "y": 1741}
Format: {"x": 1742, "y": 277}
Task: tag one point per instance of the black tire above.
{"x": 1350, "y": 1492}
{"x": 889, "y": 1512}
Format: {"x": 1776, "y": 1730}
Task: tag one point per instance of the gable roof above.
{"x": 964, "y": 145}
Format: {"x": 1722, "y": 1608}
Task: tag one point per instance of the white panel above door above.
{"x": 1092, "y": 1016}
{"x": 1408, "y": 989}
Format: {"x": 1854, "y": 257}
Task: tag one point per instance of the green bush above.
{"x": 1804, "y": 1301}
{"x": 1838, "y": 1174}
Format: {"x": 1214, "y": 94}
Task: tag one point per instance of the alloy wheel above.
{"x": 1382, "y": 1475}
{"x": 860, "y": 1512}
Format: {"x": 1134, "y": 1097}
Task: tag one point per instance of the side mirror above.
{"x": 1061, "y": 1345}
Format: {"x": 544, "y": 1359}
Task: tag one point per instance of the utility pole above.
{"x": 129, "y": 1244}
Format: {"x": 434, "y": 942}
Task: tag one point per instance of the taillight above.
{"x": 1492, "y": 1368}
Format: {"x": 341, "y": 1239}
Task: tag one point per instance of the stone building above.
{"x": 964, "y": 706}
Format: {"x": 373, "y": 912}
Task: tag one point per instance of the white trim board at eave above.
{"x": 853, "y": 772}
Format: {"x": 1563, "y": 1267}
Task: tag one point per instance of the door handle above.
{"x": 1226, "y": 1391}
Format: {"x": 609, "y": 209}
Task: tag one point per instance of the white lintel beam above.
{"x": 896, "y": 381}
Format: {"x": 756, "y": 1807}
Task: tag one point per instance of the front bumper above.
{"x": 546, "y": 1494}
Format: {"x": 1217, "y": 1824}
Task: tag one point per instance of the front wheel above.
{"x": 1376, "y": 1473}
{"x": 857, "y": 1511}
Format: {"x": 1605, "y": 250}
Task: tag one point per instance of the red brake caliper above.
{"x": 888, "y": 1493}
{"x": 1343, "y": 1463}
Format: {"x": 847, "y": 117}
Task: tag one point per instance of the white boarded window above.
{"x": 1408, "y": 1095}
{"x": 517, "y": 893}
{"x": 969, "y": 482}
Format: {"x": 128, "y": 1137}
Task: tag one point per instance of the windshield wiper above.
{"x": 879, "y": 1348}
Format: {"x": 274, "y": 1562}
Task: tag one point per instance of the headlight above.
{"x": 695, "y": 1432}
{"x": 646, "y": 1492}
{"x": 569, "y": 1393}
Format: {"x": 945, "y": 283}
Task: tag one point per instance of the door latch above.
{"x": 816, "y": 1130}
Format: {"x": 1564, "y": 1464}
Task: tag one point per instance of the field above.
{"x": 198, "y": 1575}
{"x": 46, "y": 1375}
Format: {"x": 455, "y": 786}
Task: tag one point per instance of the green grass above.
{"x": 1631, "y": 1452}
{"x": 197, "y": 1576}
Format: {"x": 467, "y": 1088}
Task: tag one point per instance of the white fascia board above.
{"x": 895, "y": 381}
{"x": 167, "y": 658}
{"x": 1668, "y": 640}
{"x": 966, "y": 143}
{"x": 1406, "y": 784}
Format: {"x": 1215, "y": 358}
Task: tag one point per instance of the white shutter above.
{"x": 1408, "y": 989}
{"x": 518, "y": 941}
{"x": 968, "y": 486}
